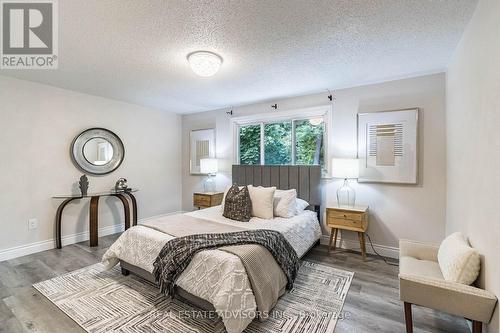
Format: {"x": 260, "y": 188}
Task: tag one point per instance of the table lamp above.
{"x": 345, "y": 168}
{"x": 209, "y": 166}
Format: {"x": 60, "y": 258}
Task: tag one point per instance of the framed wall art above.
{"x": 201, "y": 145}
{"x": 388, "y": 146}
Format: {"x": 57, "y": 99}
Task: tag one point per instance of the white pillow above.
{"x": 262, "y": 201}
{"x": 459, "y": 262}
{"x": 301, "y": 205}
{"x": 285, "y": 203}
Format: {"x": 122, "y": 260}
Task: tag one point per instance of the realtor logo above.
{"x": 29, "y": 34}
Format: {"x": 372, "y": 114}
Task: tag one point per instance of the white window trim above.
{"x": 324, "y": 111}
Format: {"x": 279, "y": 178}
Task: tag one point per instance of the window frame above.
{"x": 324, "y": 111}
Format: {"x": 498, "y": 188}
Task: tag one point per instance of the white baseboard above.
{"x": 383, "y": 250}
{"x": 23, "y": 250}
{"x": 140, "y": 221}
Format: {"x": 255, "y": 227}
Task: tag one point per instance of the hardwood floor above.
{"x": 372, "y": 304}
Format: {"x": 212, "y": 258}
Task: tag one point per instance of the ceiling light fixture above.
{"x": 204, "y": 63}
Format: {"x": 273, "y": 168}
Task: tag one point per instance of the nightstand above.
{"x": 207, "y": 199}
{"x": 350, "y": 219}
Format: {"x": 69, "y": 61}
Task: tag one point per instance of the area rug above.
{"x": 106, "y": 301}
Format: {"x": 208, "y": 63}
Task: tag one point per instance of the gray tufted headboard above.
{"x": 305, "y": 179}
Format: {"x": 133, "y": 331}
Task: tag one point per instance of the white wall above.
{"x": 397, "y": 211}
{"x": 473, "y": 120}
{"x": 37, "y": 125}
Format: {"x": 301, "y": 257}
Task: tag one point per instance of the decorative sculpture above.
{"x": 121, "y": 185}
{"x": 84, "y": 185}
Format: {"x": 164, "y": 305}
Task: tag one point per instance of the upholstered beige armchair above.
{"x": 421, "y": 282}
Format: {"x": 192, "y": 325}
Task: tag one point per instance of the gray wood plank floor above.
{"x": 372, "y": 304}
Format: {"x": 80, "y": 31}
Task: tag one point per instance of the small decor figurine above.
{"x": 121, "y": 185}
{"x": 84, "y": 185}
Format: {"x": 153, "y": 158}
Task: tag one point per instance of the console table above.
{"x": 94, "y": 206}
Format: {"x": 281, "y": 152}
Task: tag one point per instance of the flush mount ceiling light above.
{"x": 204, "y": 63}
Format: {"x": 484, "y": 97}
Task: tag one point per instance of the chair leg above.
{"x": 408, "y": 318}
{"x": 477, "y": 326}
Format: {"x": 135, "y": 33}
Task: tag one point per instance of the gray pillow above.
{"x": 238, "y": 205}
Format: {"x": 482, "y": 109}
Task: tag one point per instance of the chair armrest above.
{"x": 418, "y": 250}
{"x": 451, "y": 297}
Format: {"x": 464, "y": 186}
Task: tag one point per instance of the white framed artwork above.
{"x": 201, "y": 145}
{"x": 388, "y": 146}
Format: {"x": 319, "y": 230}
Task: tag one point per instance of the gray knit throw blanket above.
{"x": 178, "y": 252}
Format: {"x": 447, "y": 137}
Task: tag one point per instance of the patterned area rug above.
{"x": 106, "y": 301}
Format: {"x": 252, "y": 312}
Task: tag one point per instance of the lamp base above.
{"x": 209, "y": 184}
{"x": 346, "y": 196}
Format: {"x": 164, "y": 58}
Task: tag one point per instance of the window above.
{"x": 309, "y": 136}
{"x": 278, "y": 143}
{"x": 292, "y": 140}
{"x": 249, "y": 144}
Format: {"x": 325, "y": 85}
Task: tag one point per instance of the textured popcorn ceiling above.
{"x": 136, "y": 51}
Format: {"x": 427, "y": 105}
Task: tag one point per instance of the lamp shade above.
{"x": 345, "y": 168}
{"x": 208, "y": 165}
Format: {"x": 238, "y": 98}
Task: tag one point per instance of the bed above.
{"x": 216, "y": 280}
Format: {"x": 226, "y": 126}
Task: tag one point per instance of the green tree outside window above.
{"x": 250, "y": 144}
{"x": 279, "y": 141}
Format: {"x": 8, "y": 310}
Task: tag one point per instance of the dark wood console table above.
{"x": 94, "y": 207}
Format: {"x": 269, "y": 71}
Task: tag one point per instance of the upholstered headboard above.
{"x": 305, "y": 179}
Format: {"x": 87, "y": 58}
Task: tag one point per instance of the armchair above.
{"x": 422, "y": 283}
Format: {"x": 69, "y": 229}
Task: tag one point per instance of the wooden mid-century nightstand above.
{"x": 348, "y": 218}
{"x": 207, "y": 199}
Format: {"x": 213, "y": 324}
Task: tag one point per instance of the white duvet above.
{"x": 213, "y": 275}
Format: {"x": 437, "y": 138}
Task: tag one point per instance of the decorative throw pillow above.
{"x": 225, "y": 193}
{"x": 459, "y": 262}
{"x": 301, "y": 206}
{"x": 262, "y": 201}
{"x": 285, "y": 203}
{"x": 237, "y": 205}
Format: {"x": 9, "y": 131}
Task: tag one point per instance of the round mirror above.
{"x": 97, "y": 151}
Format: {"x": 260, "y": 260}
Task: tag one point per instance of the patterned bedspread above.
{"x": 214, "y": 275}
{"x": 178, "y": 253}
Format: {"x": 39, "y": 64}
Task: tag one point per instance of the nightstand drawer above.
{"x": 345, "y": 222}
{"x": 208, "y": 199}
{"x": 345, "y": 215}
{"x": 201, "y": 200}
